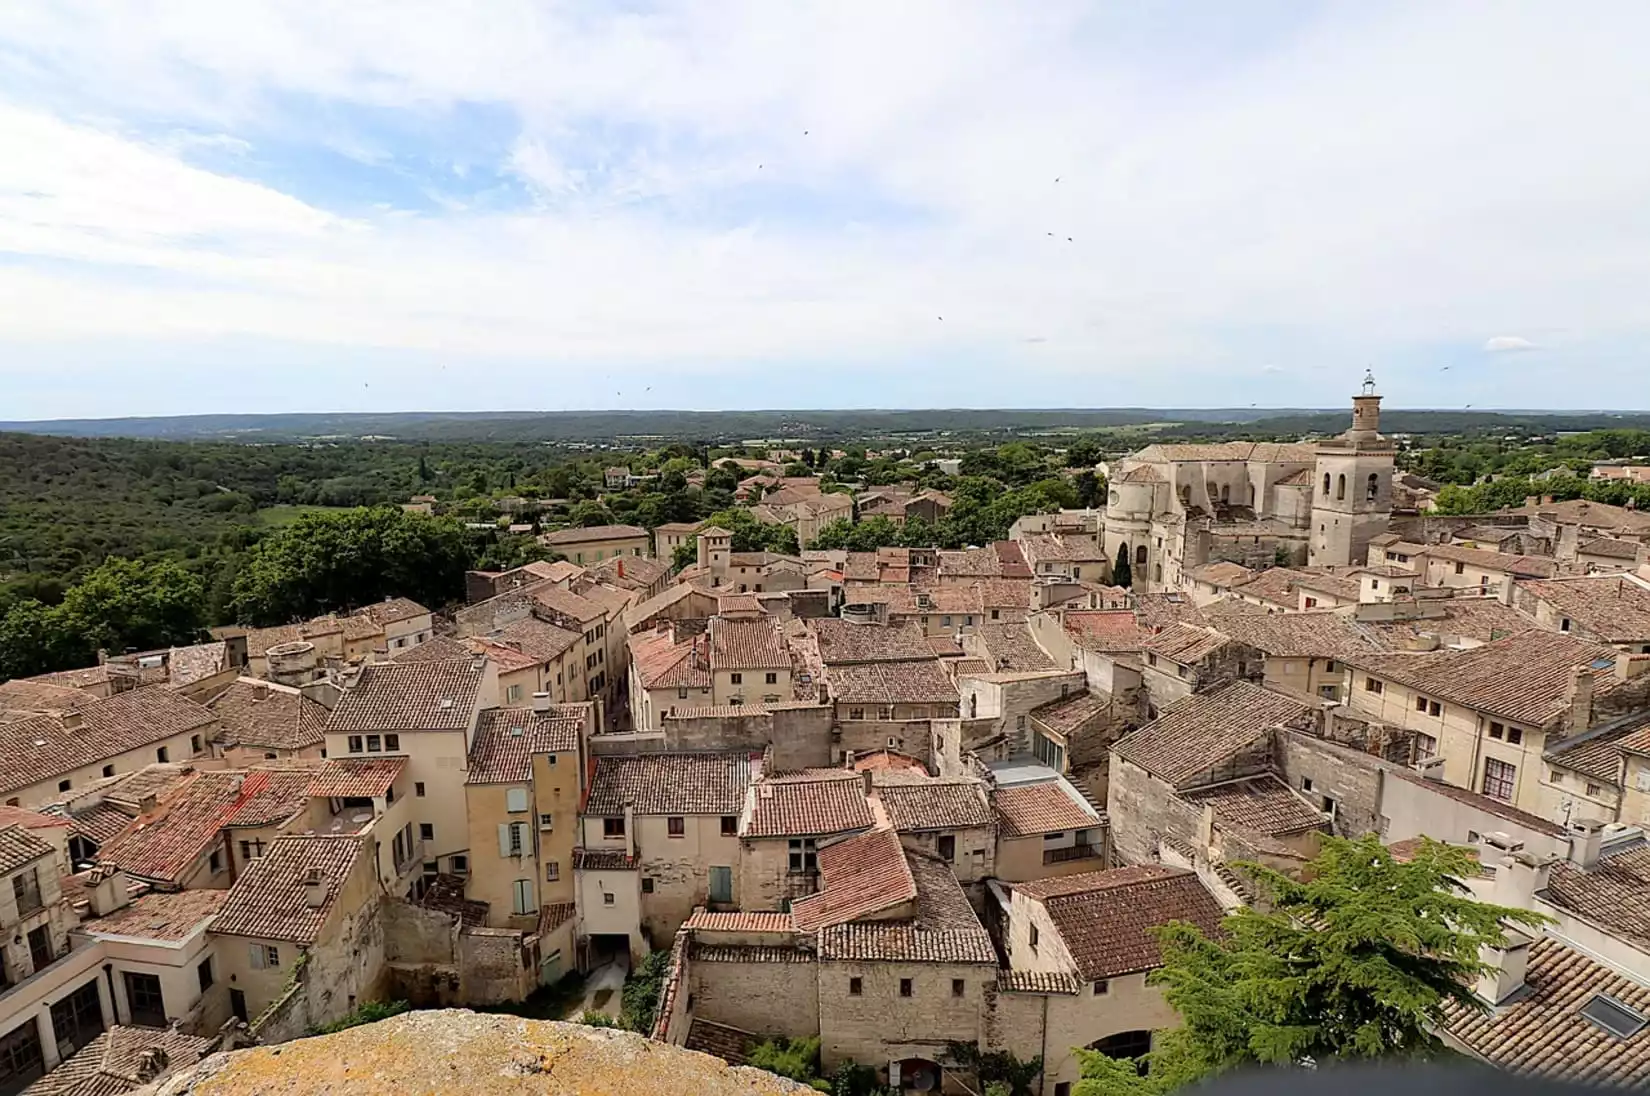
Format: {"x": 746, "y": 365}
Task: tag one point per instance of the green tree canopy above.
{"x": 1357, "y": 959}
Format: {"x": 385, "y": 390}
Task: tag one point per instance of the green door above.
{"x": 721, "y": 884}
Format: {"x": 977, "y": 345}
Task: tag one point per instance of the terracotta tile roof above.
{"x": 984, "y": 562}
{"x": 1106, "y": 630}
{"x": 944, "y": 929}
{"x": 663, "y": 663}
{"x": 102, "y": 822}
{"x": 1185, "y": 643}
{"x": 1523, "y": 678}
{"x": 717, "y": 711}
{"x": 1106, "y": 918}
{"x": 1158, "y": 611}
{"x": 1010, "y": 648}
{"x": 27, "y": 695}
{"x": 435, "y": 649}
{"x": 1025, "y": 810}
{"x": 1609, "y": 606}
{"x": 274, "y": 717}
{"x": 1291, "y": 635}
{"x": 1598, "y": 753}
{"x": 164, "y": 845}
{"x": 555, "y": 915}
{"x": 888, "y": 761}
{"x": 260, "y": 640}
{"x": 160, "y": 915}
{"x": 364, "y": 777}
{"x": 421, "y": 696}
{"x": 41, "y": 747}
{"x": 1281, "y": 585}
{"x": 843, "y": 642}
{"x": 111, "y": 1064}
{"x": 632, "y": 572}
{"x": 1004, "y": 593}
{"x": 602, "y": 860}
{"x": 708, "y": 783}
{"x": 1221, "y": 573}
{"x": 589, "y": 533}
{"x": 1543, "y": 1033}
{"x": 1071, "y": 713}
{"x": 945, "y": 647}
{"x": 749, "y": 953}
{"x": 892, "y": 683}
{"x": 565, "y": 604}
{"x": 747, "y": 645}
{"x": 807, "y": 808}
{"x": 728, "y": 604}
{"x": 1528, "y": 566}
{"x": 936, "y": 805}
{"x": 859, "y": 877}
{"x": 1038, "y": 981}
{"x": 1615, "y": 892}
{"x": 711, "y": 921}
{"x": 1203, "y": 730}
{"x": 507, "y": 738}
{"x": 968, "y": 666}
{"x": 32, "y": 820}
{"x": 268, "y": 901}
{"x": 730, "y": 1044}
{"x": 1609, "y": 548}
{"x": 1266, "y": 452}
{"x": 19, "y": 847}
{"x": 639, "y": 614}
{"x": 1263, "y": 804}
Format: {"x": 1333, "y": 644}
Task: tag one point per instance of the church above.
{"x": 1260, "y": 504}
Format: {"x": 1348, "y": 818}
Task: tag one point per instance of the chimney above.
{"x": 1206, "y": 828}
{"x": 629, "y": 829}
{"x": 1578, "y": 701}
{"x": 1519, "y": 878}
{"x": 1568, "y": 543}
{"x": 1507, "y": 963}
{"x": 151, "y": 1063}
{"x": 865, "y": 781}
{"x": 1586, "y": 840}
{"x": 315, "y": 889}
{"x": 1431, "y": 768}
{"x": 1630, "y": 666}
{"x": 621, "y": 568}
{"x": 541, "y": 702}
{"x": 260, "y": 692}
{"x": 1504, "y": 592}
{"x": 107, "y": 890}
{"x": 70, "y": 721}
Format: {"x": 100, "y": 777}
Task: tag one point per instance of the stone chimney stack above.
{"x": 541, "y": 702}
{"x": 1578, "y": 701}
{"x": 1519, "y": 878}
{"x": 1586, "y": 842}
{"x": 315, "y": 889}
{"x": 865, "y": 782}
{"x": 1508, "y": 963}
{"x": 107, "y": 890}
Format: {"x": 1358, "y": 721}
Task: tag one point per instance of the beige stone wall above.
{"x": 1307, "y": 677}
{"x": 557, "y": 783}
{"x": 879, "y": 1024}
{"x": 438, "y": 760}
{"x": 1128, "y": 1004}
{"x": 976, "y": 851}
{"x": 679, "y": 869}
{"x": 240, "y": 757}
{"x": 764, "y": 878}
{"x": 179, "y": 748}
{"x": 1049, "y": 953}
{"x": 766, "y": 998}
{"x": 493, "y": 875}
{"x": 594, "y": 551}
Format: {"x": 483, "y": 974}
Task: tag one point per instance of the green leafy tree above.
{"x": 640, "y": 997}
{"x": 588, "y": 513}
{"x": 1122, "y": 574}
{"x": 685, "y": 554}
{"x": 1357, "y": 959}
{"x": 339, "y": 560}
{"x": 127, "y": 604}
{"x": 797, "y": 1059}
{"x": 32, "y": 641}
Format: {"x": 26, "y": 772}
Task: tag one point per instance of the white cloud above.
{"x": 1272, "y": 369}
{"x": 1342, "y": 181}
{"x": 1508, "y": 344}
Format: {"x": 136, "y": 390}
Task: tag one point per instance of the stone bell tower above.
{"x": 1352, "y": 486}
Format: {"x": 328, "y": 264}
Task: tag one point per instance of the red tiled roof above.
{"x": 420, "y": 696}
{"x": 747, "y": 645}
{"x": 707, "y": 783}
{"x": 892, "y": 683}
{"x": 41, "y": 747}
{"x": 1106, "y": 918}
{"x": 1198, "y": 733}
{"x": 364, "y": 777}
{"x": 19, "y": 847}
{"x": 807, "y": 808}
{"x": 943, "y": 928}
{"x": 164, "y": 845}
{"x": 859, "y": 877}
{"x": 590, "y": 533}
{"x": 1104, "y": 629}
{"x": 663, "y": 663}
{"x": 160, "y": 915}
{"x": 936, "y": 805}
{"x": 507, "y": 739}
{"x": 262, "y": 714}
{"x": 737, "y": 921}
{"x": 268, "y": 901}
{"x": 1185, "y": 643}
{"x": 1264, "y": 804}
{"x": 842, "y": 642}
{"x": 1030, "y": 809}
{"x": 603, "y": 860}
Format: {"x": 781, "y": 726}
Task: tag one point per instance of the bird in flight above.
{"x": 1057, "y": 178}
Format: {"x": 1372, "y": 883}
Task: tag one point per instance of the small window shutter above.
{"x": 257, "y": 957}
{"x": 504, "y": 839}
{"x": 515, "y": 799}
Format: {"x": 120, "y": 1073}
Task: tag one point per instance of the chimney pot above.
{"x": 315, "y": 889}
{"x": 1586, "y": 842}
{"x": 541, "y": 702}
{"x": 1507, "y": 962}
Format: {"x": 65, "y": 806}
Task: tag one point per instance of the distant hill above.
{"x": 591, "y": 426}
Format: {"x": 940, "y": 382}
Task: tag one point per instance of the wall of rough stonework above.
{"x": 1350, "y": 778}
{"x": 913, "y": 737}
{"x": 975, "y": 856}
{"x": 679, "y": 870}
{"x": 765, "y": 998}
{"x": 879, "y": 1024}
{"x": 764, "y": 876}
{"x": 414, "y": 935}
{"x": 491, "y": 967}
{"x": 1142, "y": 808}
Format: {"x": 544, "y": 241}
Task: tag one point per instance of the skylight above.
{"x": 1613, "y": 1016}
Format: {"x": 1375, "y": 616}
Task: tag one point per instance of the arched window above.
{"x": 1157, "y": 573}
{"x": 1373, "y": 491}
{"x": 1128, "y": 1046}
{"x": 1326, "y": 485}
{"x": 1340, "y": 487}
{"x": 1140, "y": 556}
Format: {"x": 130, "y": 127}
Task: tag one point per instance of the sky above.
{"x": 305, "y": 205}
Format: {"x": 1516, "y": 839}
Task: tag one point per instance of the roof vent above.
{"x": 516, "y": 732}
{"x": 444, "y": 703}
{"x": 1614, "y": 1017}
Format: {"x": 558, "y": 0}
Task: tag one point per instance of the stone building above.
{"x": 263, "y": 721}
{"x": 593, "y": 544}
{"x": 786, "y": 821}
{"x": 1045, "y": 826}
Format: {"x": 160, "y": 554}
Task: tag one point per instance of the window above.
{"x": 354, "y": 743}
{"x": 1126, "y": 1045}
{"x": 996, "y": 614}
{"x": 681, "y": 692}
{"x": 856, "y": 987}
{"x": 108, "y": 770}
{"x": 608, "y": 898}
{"x": 1140, "y": 555}
{"x": 1613, "y": 1016}
{"x": 1340, "y": 488}
{"x": 1421, "y": 706}
{"x": 1371, "y": 685}
{"x": 25, "y": 887}
{"x": 1306, "y": 783}
{"x": 460, "y": 865}
{"x": 426, "y": 831}
{"x": 647, "y": 884}
{"x": 958, "y": 987}
{"x": 1326, "y": 485}
{"x": 1514, "y": 736}
{"x": 804, "y": 855}
{"x": 162, "y": 754}
{"x": 736, "y": 678}
{"x": 418, "y": 788}
{"x": 1425, "y": 746}
{"x": 512, "y": 695}
{"x": 1062, "y": 1088}
{"x": 194, "y": 743}
{"x": 512, "y": 838}
{"x": 62, "y": 785}
{"x": 856, "y": 713}
{"x": 945, "y": 622}
{"x": 947, "y": 848}
{"x": 515, "y": 800}
{"x": 1460, "y": 568}
{"x": 547, "y": 822}
{"x": 1564, "y": 624}
{"x": 905, "y": 987}
{"x": 730, "y": 825}
{"x": 521, "y": 897}
{"x": 375, "y": 743}
{"x": 1497, "y": 730}
{"x": 252, "y": 848}
{"x": 612, "y": 827}
{"x": 1594, "y": 790}
{"x": 265, "y": 956}
{"x": 1556, "y": 776}
{"x": 1500, "y": 779}
{"x": 214, "y": 862}
{"x": 1329, "y": 805}
{"x": 771, "y": 678}
{"x": 1033, "y": 937}
{"x": 204, "y": 974}
{"x": 144, "y": 998}
{"x": 552, "y": 870}
{"x": 1435, "y": 710}
{"x": 676, "y": 826}
{"x": 392, "y": 742}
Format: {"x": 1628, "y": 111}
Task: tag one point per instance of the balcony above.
{"x": 1072, "y": 852}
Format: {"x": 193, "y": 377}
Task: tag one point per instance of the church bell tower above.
{"x": 1352, "y": 486}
